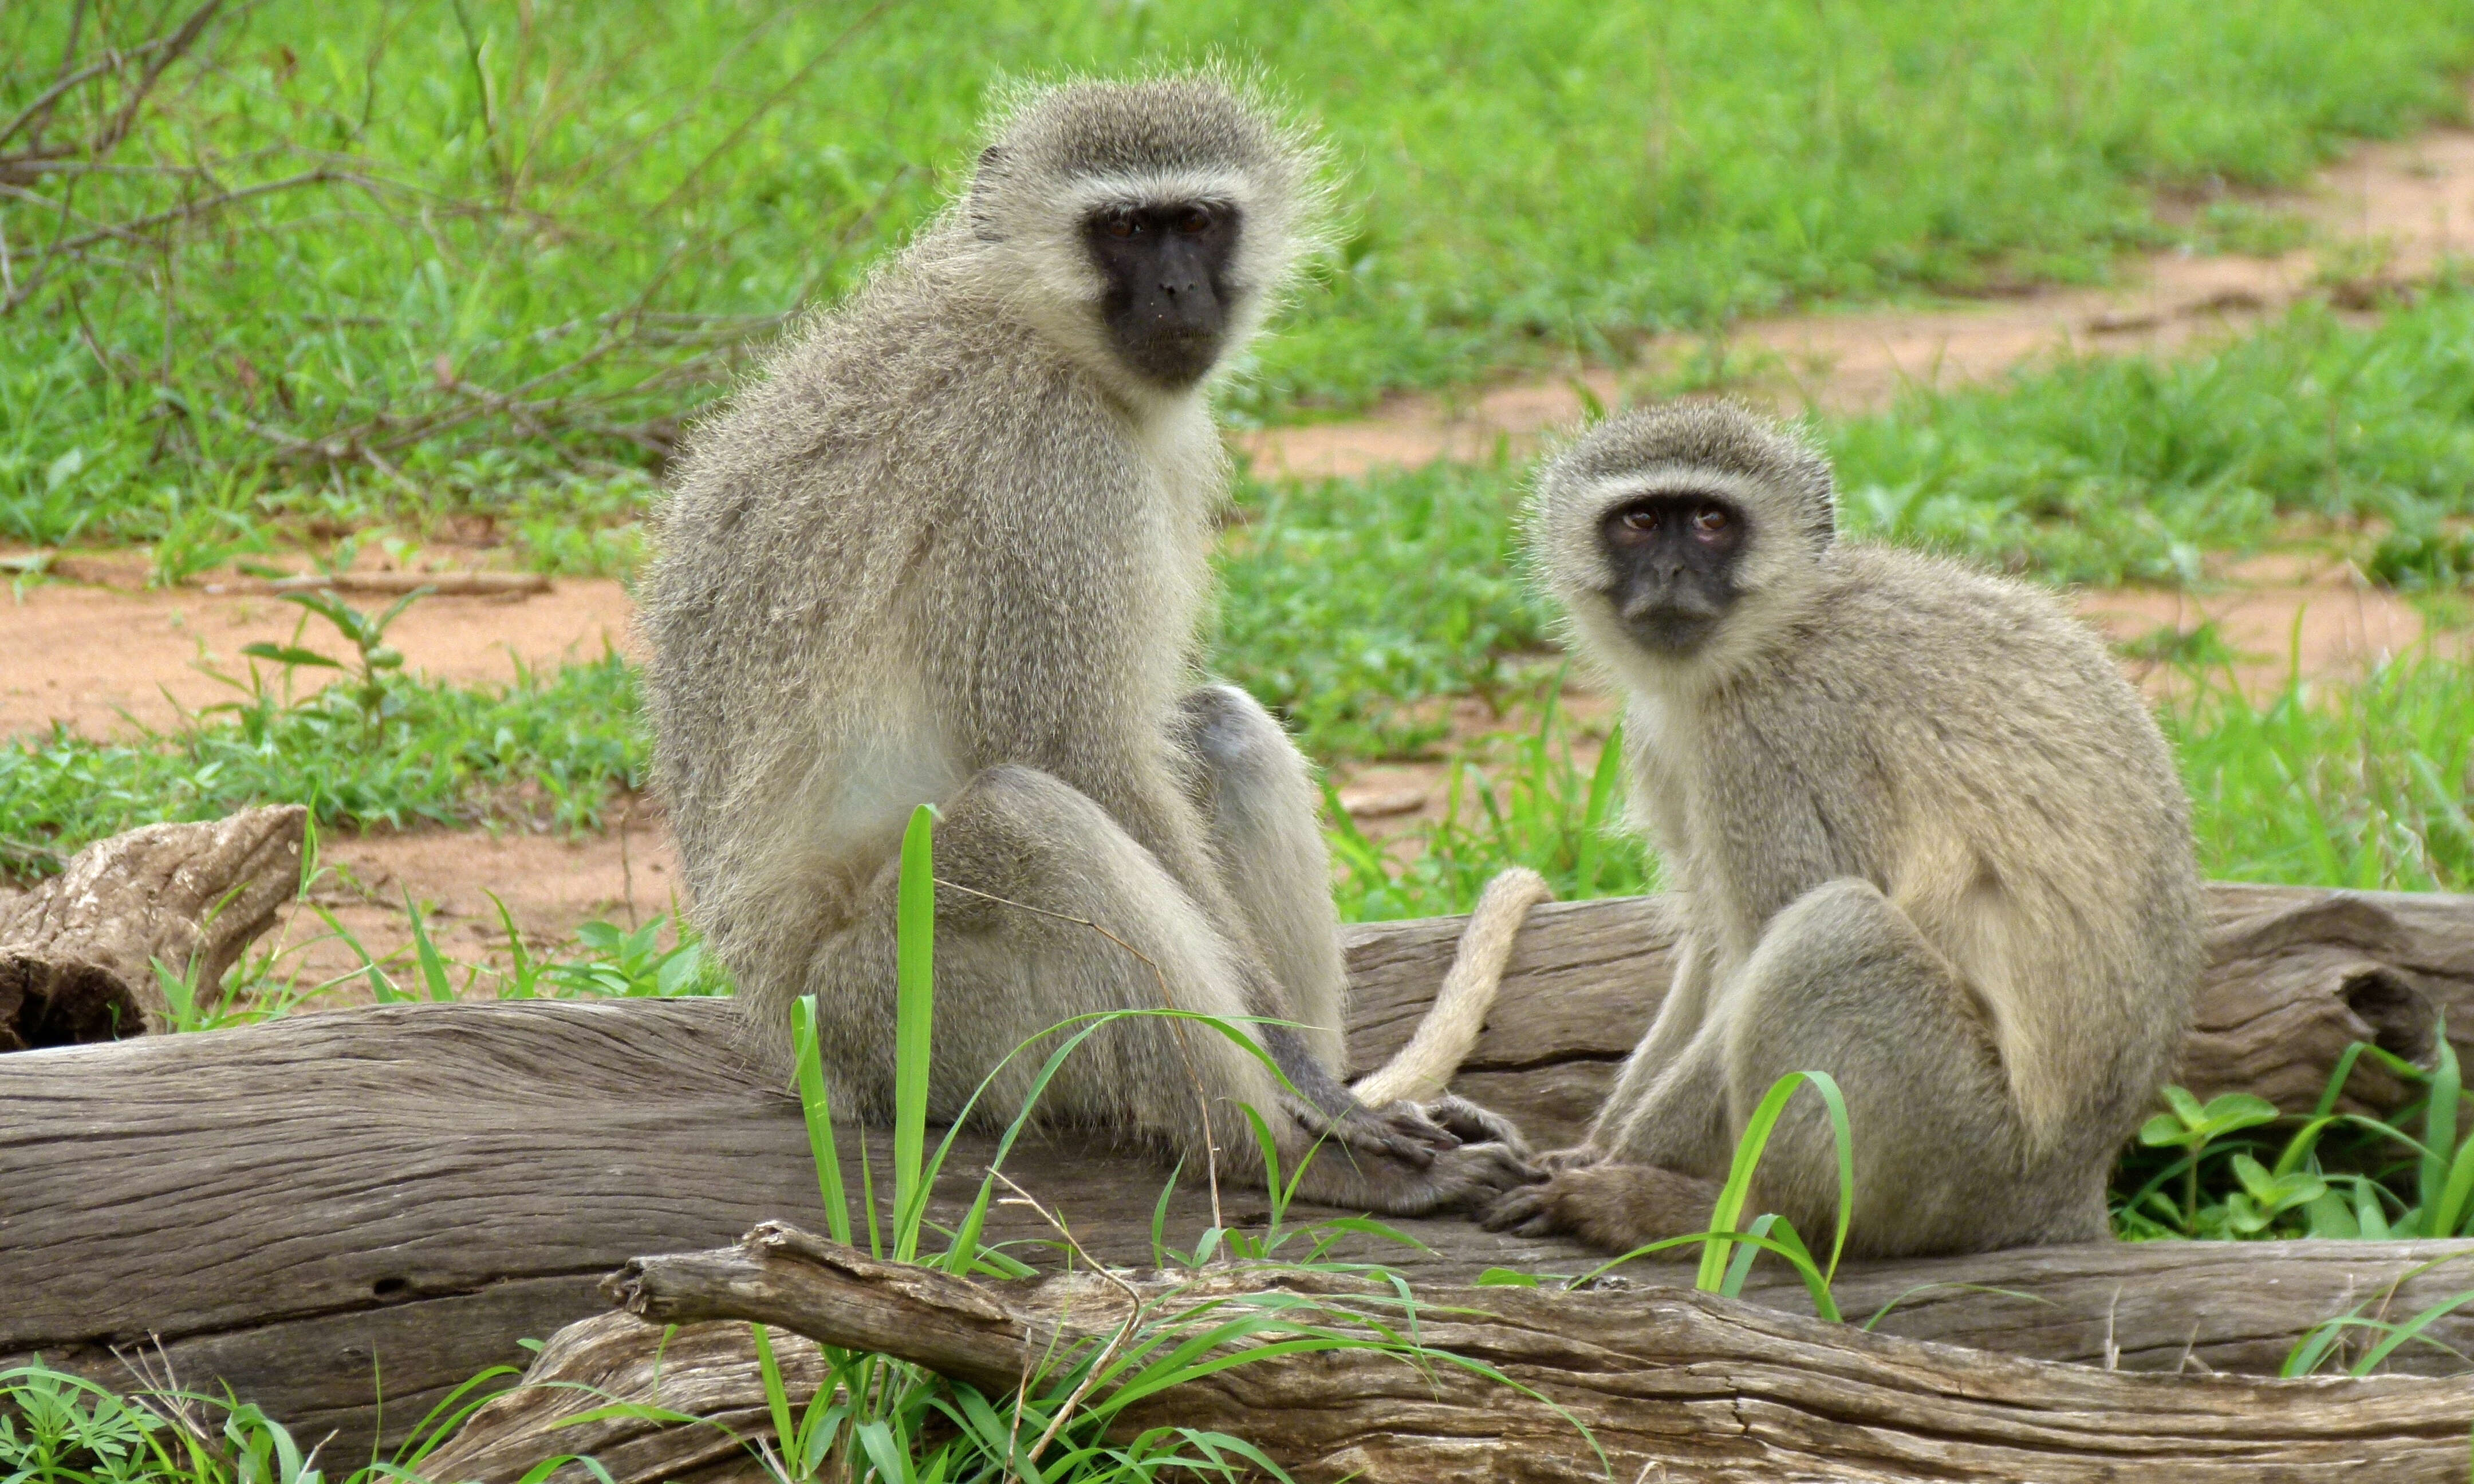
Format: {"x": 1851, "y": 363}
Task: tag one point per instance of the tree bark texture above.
{"x": 407, "y": 1191}
{"x": 1668, "y": 1384}
{"x": 77, "y": 952}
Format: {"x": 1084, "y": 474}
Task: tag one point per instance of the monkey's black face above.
{"x": 1674, "y": 557}
{"x": 1167, "y": 304}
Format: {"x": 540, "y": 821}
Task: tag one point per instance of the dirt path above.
{"x": 2387, "y": 214}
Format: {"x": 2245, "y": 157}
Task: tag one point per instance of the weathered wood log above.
{"x": 409, "y": 1190}
{"x": 77, "y": 953}
{"x": 1668, "y": 1383}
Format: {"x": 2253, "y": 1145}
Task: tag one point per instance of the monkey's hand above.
{"x": 1613, "y": 1208}
{"x": 1471, "y": 1124}
{"x": 1401, "y": 1131}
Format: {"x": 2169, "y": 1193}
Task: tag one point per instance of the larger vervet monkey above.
{"x": 950, "y": 546}
{"x": 1923, "y": 838}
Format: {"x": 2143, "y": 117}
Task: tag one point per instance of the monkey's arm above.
{"x": 1679, "y": 1019}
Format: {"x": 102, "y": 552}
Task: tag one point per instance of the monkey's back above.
{"x": 1964, "y": 743}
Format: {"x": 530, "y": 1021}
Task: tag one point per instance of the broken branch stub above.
{"x": 77, "y": 951}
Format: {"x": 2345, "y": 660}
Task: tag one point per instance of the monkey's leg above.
{"x": 1843, "y": 983}
{"x": 1020, "y": 856}
{"x": 1259, "y": 805}
{"x": 1259, "y": 809}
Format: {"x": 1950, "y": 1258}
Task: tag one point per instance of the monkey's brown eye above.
{"x": 1194, "y": 219}
{"x": 1640, "y": 520}
{"x": 1121, "y": 225}
{"x": 1710, "y": 519}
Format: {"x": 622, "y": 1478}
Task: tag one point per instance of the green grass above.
{"x": 1350, "y": 606}
{"x": 2111, "y": 468}
{"x": 364, "y": 256}
{"x": 546, "y": 750}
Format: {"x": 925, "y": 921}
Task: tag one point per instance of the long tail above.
{"x": 1425, "y": 1065}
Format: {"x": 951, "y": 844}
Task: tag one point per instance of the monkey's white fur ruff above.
{"x": 1445, "y": 1036}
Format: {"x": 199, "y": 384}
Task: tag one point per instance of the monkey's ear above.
{"x": 991, "y": 164}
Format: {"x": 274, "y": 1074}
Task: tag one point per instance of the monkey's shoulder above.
{"x": 1942, "y": 622}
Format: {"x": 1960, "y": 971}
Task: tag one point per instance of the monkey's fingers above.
{"x": 1474, "y": 1176}
{"x": 1527, "y": 1212}
{"x": 1580, "y": 1157}
{"x": 1472, "y": 1124}
{"x": 1406, "y": 1120}
{"x": 1360, "y": 1132}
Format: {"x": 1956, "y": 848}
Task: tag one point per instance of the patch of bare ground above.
{"x": 100, "y": 650}
{"x": 2388, "y": 215}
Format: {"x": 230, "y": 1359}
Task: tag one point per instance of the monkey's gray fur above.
{"x": 950, "y": 546}
{"x": 1924, "y": 837}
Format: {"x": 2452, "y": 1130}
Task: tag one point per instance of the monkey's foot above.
{"x": 1472, "y": 1124}
{"x": 1614, "y": 1208}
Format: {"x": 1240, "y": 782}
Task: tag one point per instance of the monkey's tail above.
{"x": 1443, "y": 1039}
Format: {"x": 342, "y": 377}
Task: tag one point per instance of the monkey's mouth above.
{"x": 1674, "y": 631}
{"x": 1172, "y": 355}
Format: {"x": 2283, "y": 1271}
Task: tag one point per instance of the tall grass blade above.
{"x": 817, "y": 1108}
{"x": 1732, "y": 1195}
{"x": 2438, "y": 1129}
{"x": 915, "y": 989}
{"x": 2408, "y": 1331}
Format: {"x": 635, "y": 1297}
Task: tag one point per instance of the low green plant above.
{"x": 2328, "y": 1174}
{"x": 454, "y": 257}
{"x": 1353, "y": 607}
{"x": 379, "y": 662}
{"x": 2422, "y": 554}
{"x": 58, "y": 1427}
{"x": 1532, "y": 804}
{"x": 2361, "y": 784}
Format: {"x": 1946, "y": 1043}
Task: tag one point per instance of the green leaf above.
{"x": 1506, "y": 1277}
{"x": 287, "y": 654}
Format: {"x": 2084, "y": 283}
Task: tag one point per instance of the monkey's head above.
{"x": 1668, "y": 530}
{"x": 1147, "y": 226}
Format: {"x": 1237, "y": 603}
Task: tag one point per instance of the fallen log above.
{"x": 77, "y": 952}
{"x": 407, "y": 1191}
{"x": 1668, "y": 1384}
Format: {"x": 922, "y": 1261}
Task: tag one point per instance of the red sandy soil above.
{"x": 100, "y": 651}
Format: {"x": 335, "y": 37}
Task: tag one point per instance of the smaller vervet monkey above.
{"x": 1923, "y": 838}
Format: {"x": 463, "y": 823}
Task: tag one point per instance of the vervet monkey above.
{"x": 950, "y": 545}
{"x": 1923, "y": 836}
